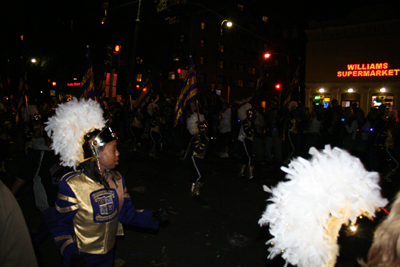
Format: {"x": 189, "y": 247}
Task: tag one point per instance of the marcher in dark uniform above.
{"x": 93, "y": 202}
{"x": 246, "y": 136}
{"x": 198, "y": 147}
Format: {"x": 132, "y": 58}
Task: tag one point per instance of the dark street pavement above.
{"x": 220, "y": 230}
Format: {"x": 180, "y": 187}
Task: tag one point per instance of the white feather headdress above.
{"x": 242, "y": 111}
{"x": 68, "y": 126}
{"x": 192, "y": 122}
{"x": 308, "y": 210}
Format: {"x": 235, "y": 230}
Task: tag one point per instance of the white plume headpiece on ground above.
{"x": 242, "y": 111}
{"x": 72, "y": 120}
{"x": 308, "y": 210}
{"x": 192, "y": 123}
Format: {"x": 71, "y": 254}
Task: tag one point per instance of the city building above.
{"x": 355, "y": 59}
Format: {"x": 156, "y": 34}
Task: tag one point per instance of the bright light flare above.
{"x": 321, "y": 90}
{"x": 353, "y": 228}
{"x": 383, "y": 90}
{"x": 229, "y": 24}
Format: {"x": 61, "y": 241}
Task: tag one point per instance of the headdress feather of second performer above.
{"x": 72, "y": 120}
{"x": 242, "y": 111}
{"x": 308, "y": 210}
{"x": 192, "y": 122}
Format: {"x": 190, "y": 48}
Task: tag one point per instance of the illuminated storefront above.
{"x": 354, "y": 62}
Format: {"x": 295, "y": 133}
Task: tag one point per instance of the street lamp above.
{"x": 228, "y": 24}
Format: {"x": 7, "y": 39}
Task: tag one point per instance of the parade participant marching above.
{"x": 246, "y": 136}
{"x": 93, "y": 200}
{"x": 197, "y": 126}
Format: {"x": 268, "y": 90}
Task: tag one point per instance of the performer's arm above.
{"x": 63, "y": 230}
{"x": 130, "y": 215}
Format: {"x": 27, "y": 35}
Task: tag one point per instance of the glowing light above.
{"x": 33, "y": 60}
{"x": 54, "y": 83}
{"x": 229, "y": 24}
{"x": 351, "y": 90}
{"x": 383, "y": 90}
{"x": 267, "y": 55}
{"x": 321, "y": 90}
{"x": 353, "y": 228}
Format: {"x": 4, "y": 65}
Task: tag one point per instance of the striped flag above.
{"x": 188, "y": 93}
{"x": 87, "y": 85}
{"x": 145, "y": 97}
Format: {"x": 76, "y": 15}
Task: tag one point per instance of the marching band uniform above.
{"x": 198, "y": 147}
{"x": 246, "y": 136}
{"x": 93, "y": 202}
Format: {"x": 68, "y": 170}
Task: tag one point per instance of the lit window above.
{"x": 240, "y": 7}
{"x": 171, "y": 75}
{"x": 182, "y": 39}
{"x": 240, "y": 67}
{"x": 221, "y": 48}
{"x": 265, "y": 18}
{"x": 203, "y": 43}
{"x": 176, "y": 58}
{"x": 202, "y": 60}
{"x": 251, "y": 84}
{"x": 139, "y": 60}
{"x": 240, "y": 83}
{"x": 203, "y": 25}
{"x": 252, "y": 70}
{"x": 139, "y": 77}
{"x": 220, "y": 64}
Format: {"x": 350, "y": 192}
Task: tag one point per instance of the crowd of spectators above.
{"x": 280, "y": 134}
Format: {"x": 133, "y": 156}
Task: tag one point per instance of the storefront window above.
{"x": 384, "y": 99}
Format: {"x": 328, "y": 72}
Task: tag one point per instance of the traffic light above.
{"x": 179, "y": 71}
{"x": 278, "y": 86}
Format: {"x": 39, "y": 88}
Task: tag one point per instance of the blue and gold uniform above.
{"x": 89, "y": 217}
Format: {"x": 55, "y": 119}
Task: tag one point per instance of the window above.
{"x": 182, "y": 38}
{"x": 176, "y": 57}
{"x": 240, "y": 83}
{"x": 203, "y": 25}
{"x": 138, "y": 77}
{"x": 221, "y": 48}
{"x": 203, "y": 60}
{"x": 240, "y": 7}
{"x": 240, "y": 68}
{"x": 251, "y": 84}
{"x": 220, "y": 64}
{"x": 265, "y": 18}
{"x": 171, "y": 75}
{"x": 139, "y": 60}
{"x": 203, "y": 43}
{"x": 252, "y": 70}
{"x": 202, "y": 78}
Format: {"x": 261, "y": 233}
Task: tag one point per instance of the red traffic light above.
{"x": 179, "y": 71}
{"x": 117, "y": 49}
{"x": 278, "y": 86}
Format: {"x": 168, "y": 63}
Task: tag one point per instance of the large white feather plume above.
{"x": 68, "y": 126}
{"x": 308, "y": 210}
{"x": 191, "y": 122}
{"x": 242, "y": 111}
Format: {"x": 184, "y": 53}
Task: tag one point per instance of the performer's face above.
{"x": 109, "y": 156}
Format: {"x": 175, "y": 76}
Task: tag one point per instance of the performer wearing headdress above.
{"x": 246, "y": 136}
{"x": 197, "y": 126}
{"x": 93, "y": 201}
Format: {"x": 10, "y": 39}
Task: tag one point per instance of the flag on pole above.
{"x": 102, "y": 86}
{"x": 87, "y": 85}
{"x": 145, "y": 96}
{"x": 295, "y": 83}
{"x": 258, "y": 90}
{"x": 188, "y": 93}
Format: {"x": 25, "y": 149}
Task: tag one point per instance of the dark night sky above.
{"x": 46, "y": 26}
